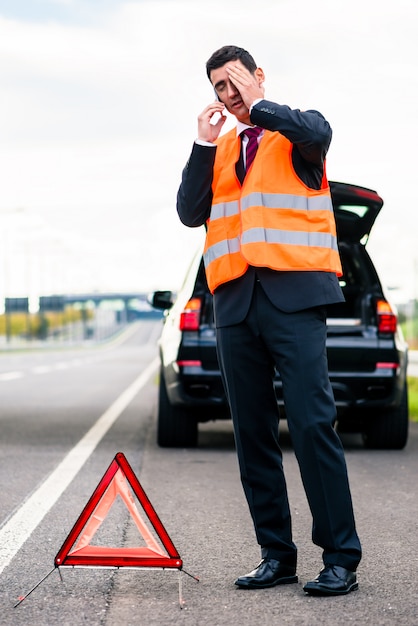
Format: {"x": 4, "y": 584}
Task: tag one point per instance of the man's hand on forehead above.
{"x": 248, "y": 84}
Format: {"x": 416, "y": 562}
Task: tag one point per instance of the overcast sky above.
{"x": 98, "y": 108}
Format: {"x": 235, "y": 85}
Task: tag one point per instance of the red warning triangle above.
{"x": 119, "y": 480}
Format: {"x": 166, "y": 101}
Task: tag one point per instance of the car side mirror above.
{"x": 161, "y": 300}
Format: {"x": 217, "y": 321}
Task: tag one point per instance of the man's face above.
{"x": 228, "y": 93}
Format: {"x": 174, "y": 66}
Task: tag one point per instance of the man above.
{"x": 272, "y": 265}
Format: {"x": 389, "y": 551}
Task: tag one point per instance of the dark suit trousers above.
{"x": 295, "y": 344}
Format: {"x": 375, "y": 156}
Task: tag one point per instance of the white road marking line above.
{"x": 41, "y": 369}
{"x": 11, "y": 375}
{"x": 21, "y": 525}
{"x": 62, "y": 365}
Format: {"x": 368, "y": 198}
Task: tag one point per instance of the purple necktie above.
{"x": 252, "y": 145}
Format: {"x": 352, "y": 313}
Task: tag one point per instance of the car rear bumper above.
{"x": 193, "y": 386}
{"x": 381, "y": 387}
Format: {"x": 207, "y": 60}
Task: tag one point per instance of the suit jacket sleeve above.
{"x": 194, "y": 197}
{"x": 309, "y": 132}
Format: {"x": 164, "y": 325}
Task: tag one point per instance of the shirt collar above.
{"x": 241, "y": 127}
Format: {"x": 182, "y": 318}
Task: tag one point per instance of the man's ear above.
{"x": 259, "y": 74}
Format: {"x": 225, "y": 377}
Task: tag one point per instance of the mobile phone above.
{"x": 216, "y": 95}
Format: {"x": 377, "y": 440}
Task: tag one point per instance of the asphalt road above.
{"x": 64, "y": 416}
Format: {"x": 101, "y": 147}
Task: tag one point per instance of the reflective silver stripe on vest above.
{"x": 224, "y": 209}
{"x": 291, "y": 237}
{"x": 286, "y": 201}
{"x": 227, "y": 246}
{"x": 271, "y": 201}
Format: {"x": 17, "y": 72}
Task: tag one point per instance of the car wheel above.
{"x": 176, "y": 428}
{"x": 388, "y": 430}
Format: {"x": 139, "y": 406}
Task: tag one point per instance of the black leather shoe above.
{"x": 333, "y": 580}
{"x": 268, "y": 574}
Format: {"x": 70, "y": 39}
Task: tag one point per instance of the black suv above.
{"x": 367, "y": 355}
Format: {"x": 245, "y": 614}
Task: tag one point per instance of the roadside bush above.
{"x": 38, "y": 325}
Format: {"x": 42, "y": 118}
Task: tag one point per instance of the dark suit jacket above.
{"x": 310, "y": 134}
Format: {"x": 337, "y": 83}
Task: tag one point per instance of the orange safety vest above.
{"x": 274, "y": 220}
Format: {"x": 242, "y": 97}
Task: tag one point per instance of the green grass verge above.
{"x": 413, "y": 398}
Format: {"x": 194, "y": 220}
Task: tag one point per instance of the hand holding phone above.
{"x": 207, "y": 128}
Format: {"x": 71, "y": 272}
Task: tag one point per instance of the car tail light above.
{"x": 189, "y": 363}
{"x": 386, "y": 317}
{"x": 190, "y": 316}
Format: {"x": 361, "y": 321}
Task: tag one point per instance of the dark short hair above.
{"x": 230, "y": 53}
